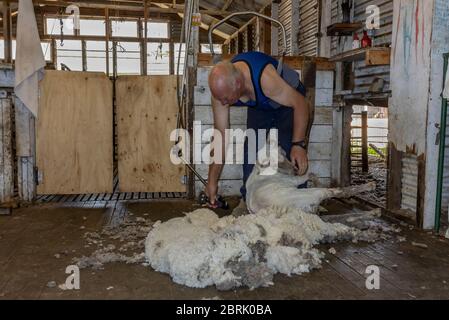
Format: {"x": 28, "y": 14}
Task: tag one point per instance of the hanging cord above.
{"x": 62, "y": 32}
{"x": 181, "y": 89}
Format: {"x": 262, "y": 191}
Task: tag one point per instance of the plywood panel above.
{"x": 146, "y": 114}
{"x": 74, "y": 133}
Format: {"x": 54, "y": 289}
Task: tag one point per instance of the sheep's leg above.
{"x": 348, "y": 192}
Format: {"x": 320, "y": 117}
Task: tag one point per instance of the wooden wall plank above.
{"x": 25, "y": 151}
{"x": 394, "y": 175}
{"x": 146, "y": 115}
{"x": 203, "y": 113}
{"x": 74, "y": 133}
{"x": 6, "y": 158}
{"x": 24, "y": 130}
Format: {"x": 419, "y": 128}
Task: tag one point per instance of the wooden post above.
{"x": 421, "y": 189}
{"x": 171, "y": 52}
{"x": 6, "y": 156}
{"x": 240, "y": 46}
{"x": 25, "y": 151}
{"x": 114, "y": 59}
{"x": 84, "y": 54}
{"x": 145, "y": 39}
{"x": 394, "y": 176}
{"x": 107, "y": 24}
{"x": 308, "y": 78}
{"x": 249, "y": 38}
{"x": 225, "y": 48}
{"x": 191, "y": 82}
{"x": 365, "y": 141}
{"x": 274, "y": 29}
{"x": 7, "y": 31}
{"x": 54, "y": 53}
{"x": 346, "y": 146}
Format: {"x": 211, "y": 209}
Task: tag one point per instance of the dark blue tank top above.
{"x": 256, "y": 62}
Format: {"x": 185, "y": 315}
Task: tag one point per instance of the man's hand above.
{"x": 298, "y": 156}
{"x": 211, "y": 192}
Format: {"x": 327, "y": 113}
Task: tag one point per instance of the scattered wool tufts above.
{"x": 112, "y": 242}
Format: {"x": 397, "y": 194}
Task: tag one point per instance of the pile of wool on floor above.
{"x": 201, "y": 249}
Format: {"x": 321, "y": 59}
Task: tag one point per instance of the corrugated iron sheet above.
{"x": 285, "y": 17}
{"x": 445, "y": 196}
{"x": 409, "y": 182}
{"x": 365, "y": 75}
{"x": 308, "y": 27}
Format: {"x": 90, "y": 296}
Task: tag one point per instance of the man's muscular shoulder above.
{"x": 271, "y": 82}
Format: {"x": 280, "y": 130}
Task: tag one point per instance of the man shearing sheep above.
{"x": 274, "y": 101}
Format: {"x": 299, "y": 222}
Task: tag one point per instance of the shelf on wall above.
{"x": 379, "y": 99}
{"x": 374, "y": 56}
{"x": 343, "y": 29}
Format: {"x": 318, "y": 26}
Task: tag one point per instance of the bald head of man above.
{"x": 226, "y": 83}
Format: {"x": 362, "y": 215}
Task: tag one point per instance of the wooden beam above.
{"x": 7, "y": 31}
{"x": 242, "y": 28}
{"x": 372, "y": 56}
{"x": 161, "y": 8}
{"x": 108, "y": 34}
{"x": 226, "y": 5}
{"x": 203, "y": 25}
{"x": 295, "y": 62}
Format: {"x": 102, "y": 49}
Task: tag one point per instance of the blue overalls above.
{"x": 265, "y": 113}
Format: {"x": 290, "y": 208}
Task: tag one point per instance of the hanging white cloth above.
{"x": 30, "y": 61}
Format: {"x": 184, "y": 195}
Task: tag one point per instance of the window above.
{"x": 70, "y": 54}
{"x": 158, "y": 61}
{"x": 2, "y": 49}
{"x": 183, "y": 53}
{"x": 205, "y": 48}
{"x": 124, "y": 28}
{"x": 54, "y": 26}
{"x": 128, "y": 58}
{"x": 96, "y": 56}
{"x": 92, "y": 27}
{"x": 156, "y": 30}
{"x": 45, "y": 49}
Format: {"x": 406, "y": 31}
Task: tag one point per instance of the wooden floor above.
{"x": 30, "y": 238}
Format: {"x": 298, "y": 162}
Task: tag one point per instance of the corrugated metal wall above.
{"x": 363, "y": 75}
{"x": 308, "y": 27}
{"x": 445, "y": 196}
{"x": 300, "y": 18}
{"x": 409, "y": 182}
{"x": 285, "y": 17}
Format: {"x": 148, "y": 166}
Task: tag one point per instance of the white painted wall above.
{"x": 410, "y": 67}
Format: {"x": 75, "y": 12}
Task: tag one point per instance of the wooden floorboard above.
{"x": 32, "y": 236}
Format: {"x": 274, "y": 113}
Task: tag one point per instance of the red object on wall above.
{"x": 366, "y": 40}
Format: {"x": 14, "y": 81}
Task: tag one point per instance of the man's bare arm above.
{"x": 221, "y": 123}
{"x": 278, "y": 90}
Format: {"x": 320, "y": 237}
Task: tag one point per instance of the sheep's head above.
{"x": 276, "y": 162}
